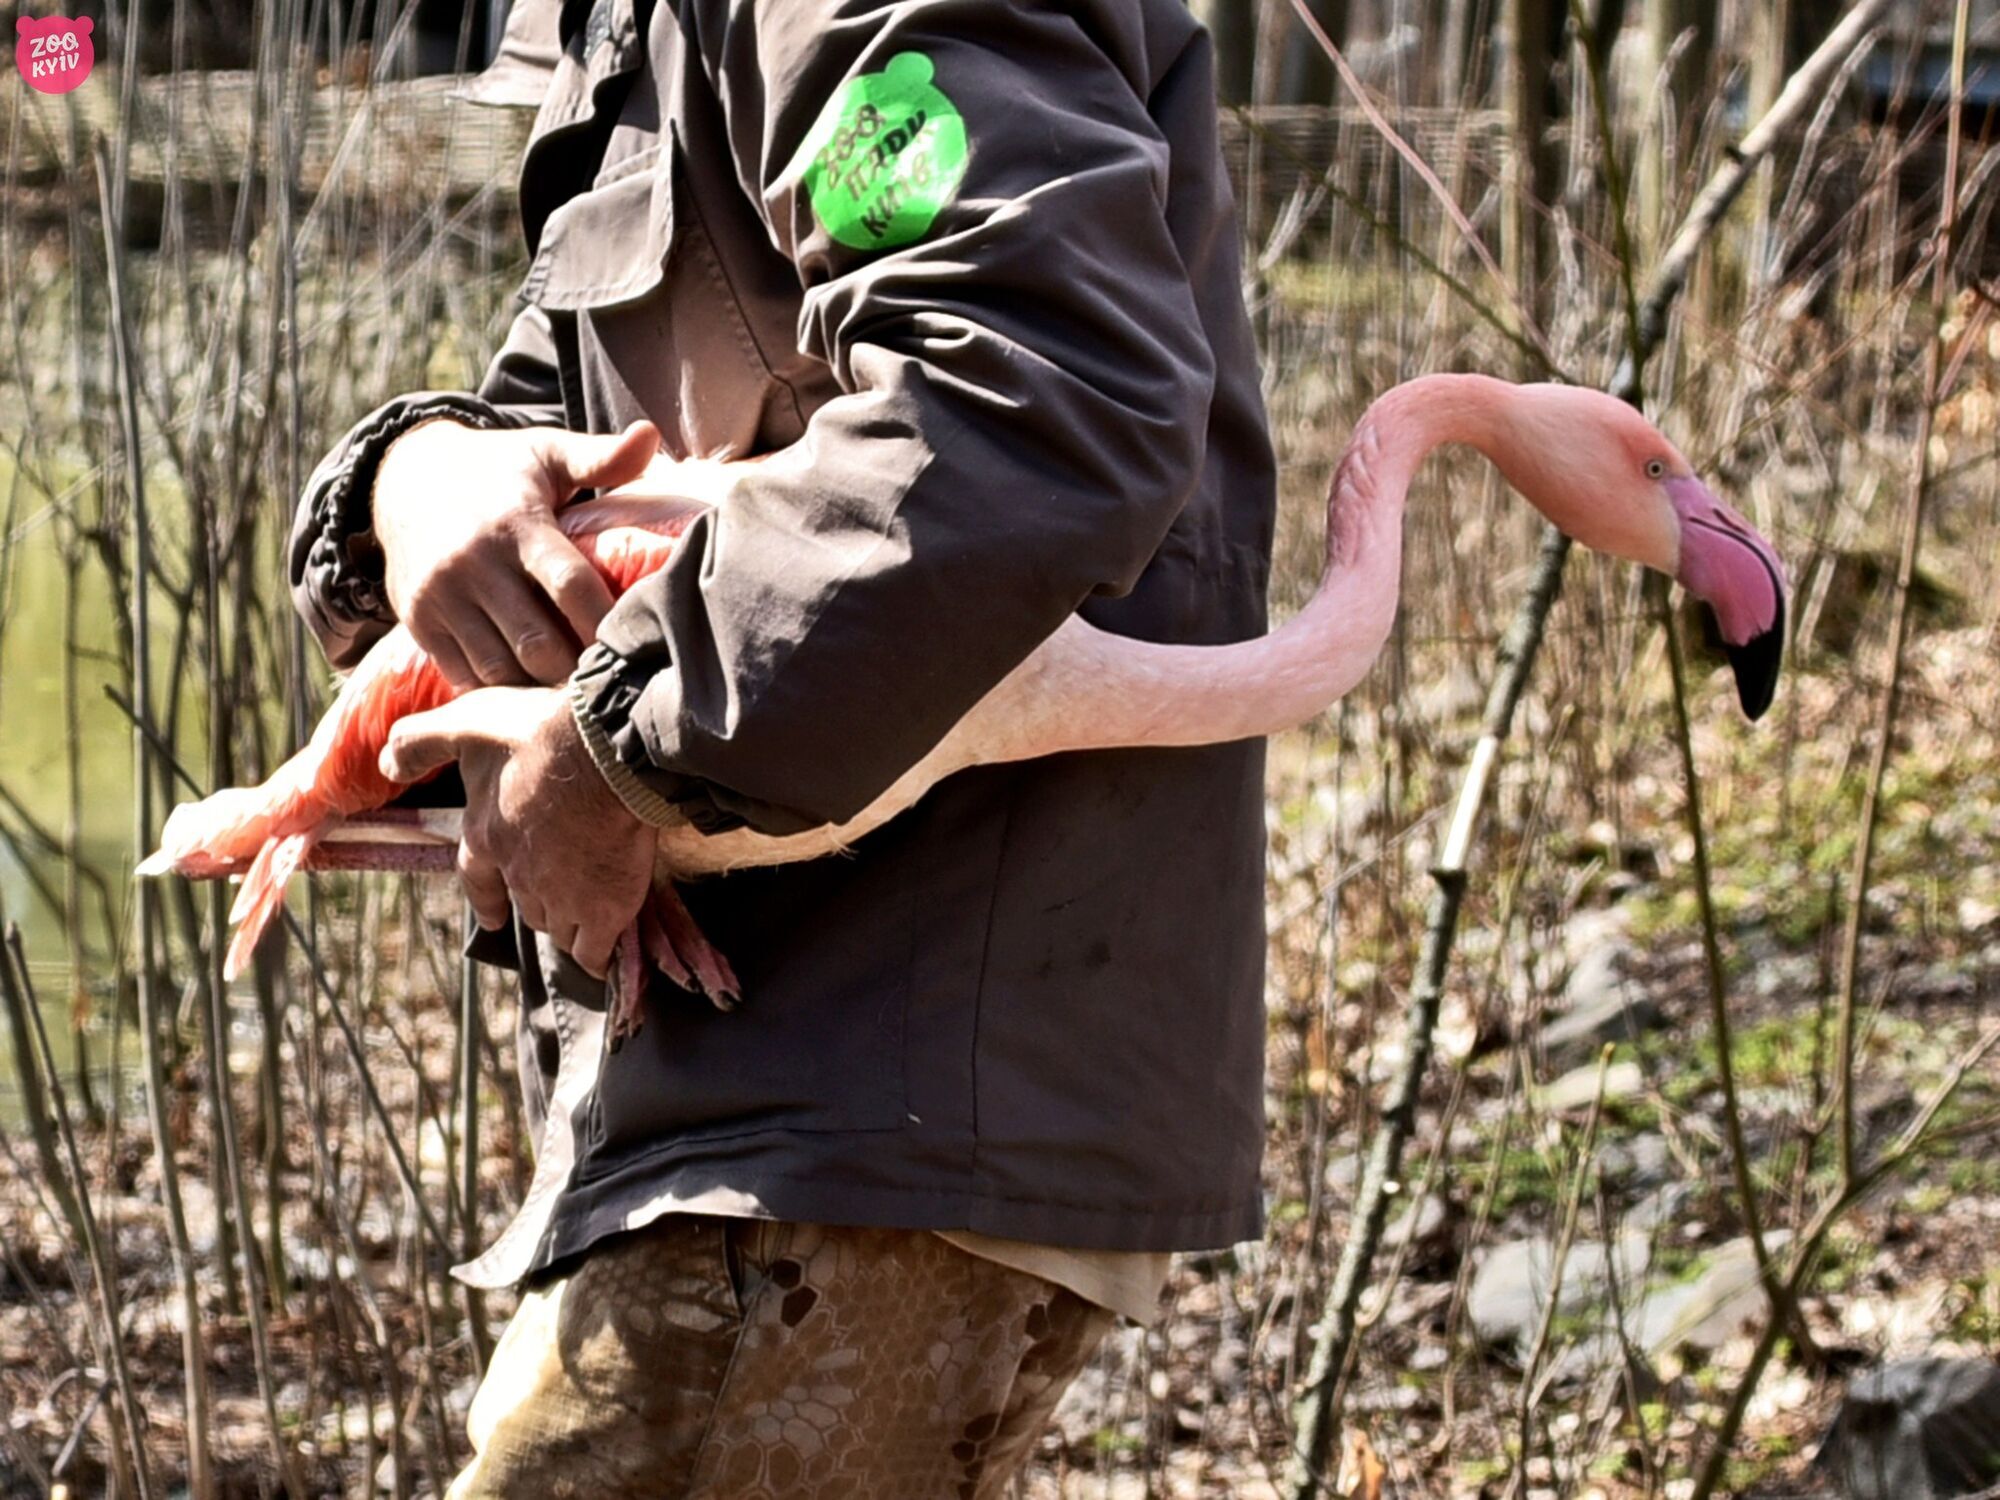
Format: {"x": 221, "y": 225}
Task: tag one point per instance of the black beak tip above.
{"x": 1756, "y": 664}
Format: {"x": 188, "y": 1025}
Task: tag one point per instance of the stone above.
{"x": 198, "y": 1209}
{"x": 1594, "y": 928}
{"x": 1659, "y": 1208}
{"x": 1421, "y": 1303}
{"x": 1230, "y": 1360}
{"x": 1643, "y": 1160}
{"x": 1120, "y": 1484}
{"x": 1604, "y": 1005}
{"x": 1343, "y": 1172}
{"x": 1419, "y": 1224}
{"x": 1974, "y": 913}
{"x": 1080, "y": 1411}
{"x": 1576, "y": 1088}
{"x": 1453, "y": 696}
{"x": 1920, "y": 1429}
{"x": 1601, "y": 1356}
{"x": 1903, "y": 1323}
{"x": 1706, "y": 1310}
{"x": 1619, "y": 884}
{"x": 1512, "y": 1286}
{"x": 1785, "y": 975}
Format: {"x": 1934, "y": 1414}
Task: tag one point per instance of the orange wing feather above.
{"x": 337, "y": 774}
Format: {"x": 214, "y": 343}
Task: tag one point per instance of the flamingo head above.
{"x": 1606, "y": 476}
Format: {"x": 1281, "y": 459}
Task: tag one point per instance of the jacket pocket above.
{"x": 823, "y": 950}
{"x": 609, "y": 244}
{"x": 661, "y": 332}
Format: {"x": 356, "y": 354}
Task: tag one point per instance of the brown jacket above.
{"x": 968, "y": 273}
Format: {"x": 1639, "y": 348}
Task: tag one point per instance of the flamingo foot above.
{"x": 627, "y": 1008}
{"x": 680, "y": 951}
{"x": 665, "y": 933}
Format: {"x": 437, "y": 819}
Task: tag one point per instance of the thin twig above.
{"x": 112, "y": 1343}
{"x": 1425, "y": 174}
{"x": 470, "y": 1028}
{"x": 348, "y": 1035}
{"x": 1529, "y": 1396}
{"x": 1536, "y": 354}
{"x": 1918, "y": 1136}
{"x": 1711, "y": 952}
{"x": 123, "y": 351}
{"x": 34, "y": 1099}
{"x": 1935, "y": 380}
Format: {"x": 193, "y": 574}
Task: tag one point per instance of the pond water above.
{"x": 34, "y": 772}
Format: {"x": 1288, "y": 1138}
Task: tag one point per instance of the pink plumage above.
{"x": 273, "y": 827}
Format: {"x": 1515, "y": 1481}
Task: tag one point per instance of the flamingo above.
{"x": 1588, "y": 462}
{"x": 268, "y": 832}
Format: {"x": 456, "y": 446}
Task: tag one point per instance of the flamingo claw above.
{"x": 665, "y": 933}
{"x": 628, "y": 988}
{"x": 694, "y": 964}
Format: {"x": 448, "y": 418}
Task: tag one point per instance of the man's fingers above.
{"x": 428, "y": 742}
{"x": 537, "y": 641}
{"x": 563, "y": 935}
{"x": 593, "y": 460}
{"x": 415, "y": 751}
{"x": 484, "y": 889}
{"x": 488, "y": 649}
{"x": 434, "y": 624}
{"x": 529, "y": 905}
{"x": 592, "y": 947}
{"x": 575, "y": 587}
{"x": 463, "y": 642}
{"x": 443, "y": 650}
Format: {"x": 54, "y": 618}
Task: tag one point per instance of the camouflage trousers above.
{"x": 742, "y": 1358}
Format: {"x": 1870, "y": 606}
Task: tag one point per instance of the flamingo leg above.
{"x": 665, "y": 933}
{"x": 697, "y": 957}
{"x": 628, "y": 988}
{"x": 660, "y": 950}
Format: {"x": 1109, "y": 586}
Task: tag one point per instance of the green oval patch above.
{"x": 887, "y": 153}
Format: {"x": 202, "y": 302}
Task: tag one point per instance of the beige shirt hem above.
{"x": 1128, "y": 1282}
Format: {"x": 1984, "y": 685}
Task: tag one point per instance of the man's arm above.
{"x": 975, "y": 199}
{"x": 438, "y": 509}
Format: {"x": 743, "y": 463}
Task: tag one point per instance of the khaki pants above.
{"x": 740, "y": 1359}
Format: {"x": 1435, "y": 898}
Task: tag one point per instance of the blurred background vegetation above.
{"x": 225, "y": 1212}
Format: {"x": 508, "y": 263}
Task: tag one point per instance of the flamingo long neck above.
{"x": 1146, "y": 694}
{"x": 1085, "y": 689}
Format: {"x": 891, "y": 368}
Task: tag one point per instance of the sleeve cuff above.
{"x": 645, "y": 804}
{"x": 606, "y": 693}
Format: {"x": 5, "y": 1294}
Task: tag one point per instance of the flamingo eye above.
{"x": 1656, "y": 468}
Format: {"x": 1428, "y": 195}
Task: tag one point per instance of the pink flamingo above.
{"x": 1591, "y": 464}
{"x": 268, "y": 832}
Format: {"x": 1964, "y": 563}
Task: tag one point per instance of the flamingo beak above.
{"x": 1737, "y": 574}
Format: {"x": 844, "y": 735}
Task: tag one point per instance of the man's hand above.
{"x": 474, "y": 562}
{"x": 541, "y": 823}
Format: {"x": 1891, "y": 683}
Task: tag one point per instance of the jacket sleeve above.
{"x": 335, "y": 565}
{"x": 975, "y": 199}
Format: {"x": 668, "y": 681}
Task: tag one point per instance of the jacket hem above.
{"x": 588, "y": 1214}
